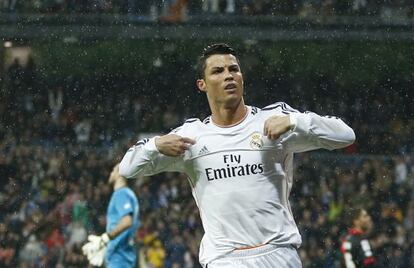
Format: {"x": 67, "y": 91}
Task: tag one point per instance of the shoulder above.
{"x": 254, "y": 110}
{"x": 191, "y": 120}
{"x": 189, "y": 125}
{"x": 131, "y": 194}
{"x": 129, "y": 191}
{"x": 125, "y": 192}
{"x": 121, "y": 192}
{"x": 279, "y": 107}
{"x": 355, "y": 240}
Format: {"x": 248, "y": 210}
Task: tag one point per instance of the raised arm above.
{"x": 152, "y": 156}
{"x": 311, "y": 131}
{"x": 301, "y": 132}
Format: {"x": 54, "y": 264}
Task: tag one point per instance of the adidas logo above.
{"x": 203, "y": 150}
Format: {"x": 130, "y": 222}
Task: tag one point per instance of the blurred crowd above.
{"x": 52, "y": 198}
{"x": 59, "y": 141}
{"x": 182, "y": 8}
{"x": 102, "y": 109}
{"x": 326, "y": 186}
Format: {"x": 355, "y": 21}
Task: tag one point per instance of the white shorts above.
{"x": 266, "y": 256}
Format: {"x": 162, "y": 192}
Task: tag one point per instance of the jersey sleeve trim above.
{"x": 191, "y": 120}
{"x": 142, "y": 142}
{"x": 286, "y": 109}
{"x": 254, "y": 110}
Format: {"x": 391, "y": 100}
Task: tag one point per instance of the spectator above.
{"x": 56, "y": 103}
{"x": 83, "y": 131}
{"x": 76, "y": 233}
{"x": 44, "y": 173}
{"x": 32, "y": 251}
{"x": 156, "y": 254}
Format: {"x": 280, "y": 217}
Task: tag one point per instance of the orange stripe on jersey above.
{"x": 250, "y": 247}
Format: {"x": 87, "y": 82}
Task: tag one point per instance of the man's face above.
{"x": 223, "y": 80}
{"x": 114, "y": 175}
{"x": 365, "y": 221}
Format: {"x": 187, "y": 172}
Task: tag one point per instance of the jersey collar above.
{"x": 354, "y": 231}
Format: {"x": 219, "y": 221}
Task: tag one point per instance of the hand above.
{"x": 173, "y": 145}
{"x": 276, "y": 125}
{"x": 95, "y": 243}
{"x": 97, "y": 258}
{"x": 96, "y": 247}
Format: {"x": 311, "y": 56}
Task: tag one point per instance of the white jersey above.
{"x": 240, "y": 179}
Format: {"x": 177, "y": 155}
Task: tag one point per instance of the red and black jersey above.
{"x": 356, "y": 250}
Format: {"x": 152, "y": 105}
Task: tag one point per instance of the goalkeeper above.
{"x": 117, "y": 245}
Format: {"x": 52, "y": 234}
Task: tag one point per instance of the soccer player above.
{"x": 239, "y": 165}
{"x": 356, "y": 249}
{"x": 117, "y": 244}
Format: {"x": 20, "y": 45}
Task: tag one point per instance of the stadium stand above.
{"x": 59, "y": 140}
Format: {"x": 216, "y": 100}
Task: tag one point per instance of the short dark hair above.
{"x": 352, "y": 214}
{"x": 214, "y": 49}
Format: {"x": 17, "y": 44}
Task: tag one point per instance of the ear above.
{"x": 201, "y": 84}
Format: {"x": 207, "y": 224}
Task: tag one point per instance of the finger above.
{"x": 177, "y": 151}
{"x": 265, "y": 129}
{"x": 274, "y": 137}
{"x": 185, "y": 146}
{"x": 182, "y": 149}
{"x": 86, "y": 247}
{"x": 93, "y": 237}
{"x": 188, "y": 140}
{"x": 270, "y": 135}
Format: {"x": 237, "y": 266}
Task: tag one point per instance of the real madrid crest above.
{"x": 256, "y": 141}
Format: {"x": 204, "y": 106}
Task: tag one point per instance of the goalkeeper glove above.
{"x": 95, "y": 248}
{"x": 97, "y": 258}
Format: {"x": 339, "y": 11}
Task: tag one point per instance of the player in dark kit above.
{"x": 356, "y": 249}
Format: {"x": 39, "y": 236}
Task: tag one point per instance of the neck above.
{"x": 228, "y": 116}
{"x": 357, "y": 230}
{"x": 119, "y": 184}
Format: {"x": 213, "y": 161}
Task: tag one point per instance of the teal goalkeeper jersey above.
{"x": 123, "y": 202}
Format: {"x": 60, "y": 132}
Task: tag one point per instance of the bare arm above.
{"x": 122, "y": 225}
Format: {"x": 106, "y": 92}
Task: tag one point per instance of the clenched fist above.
{"x": 173, "y": 145}
{"x": 276, "y": 125}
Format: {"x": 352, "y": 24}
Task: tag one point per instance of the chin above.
{"x": 232, "y": 101}
{"x": 368, "y": 230}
